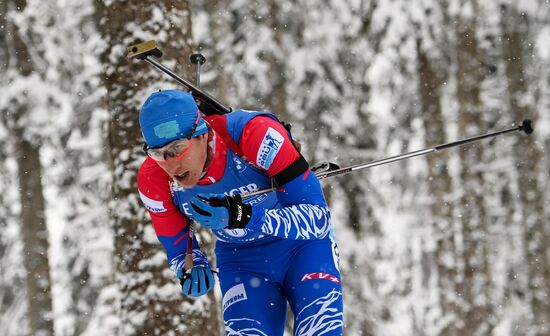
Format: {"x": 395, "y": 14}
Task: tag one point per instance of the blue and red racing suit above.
{"x": 290, "y": 257}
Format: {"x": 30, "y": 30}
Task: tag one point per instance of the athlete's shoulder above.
{"x": 266, "y": 142}
{"x": 244, "y": 117}
{"x": 155, "y": 192}
{"x": 153, "y": 181}
{"x": 150, "y": 168}
{"x": 265, "y": 120}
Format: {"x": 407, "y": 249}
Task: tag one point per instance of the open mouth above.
{"x": 182, "y": 178}
{"x": 183, "y": 175}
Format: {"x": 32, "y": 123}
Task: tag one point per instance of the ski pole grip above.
{"x": 526, "y": 126}
{"x": 197, "y": 59}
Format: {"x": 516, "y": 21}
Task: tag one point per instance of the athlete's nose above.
{"x": 170, "y": 165}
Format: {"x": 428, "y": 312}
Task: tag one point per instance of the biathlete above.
{"x": 272, "y": 248}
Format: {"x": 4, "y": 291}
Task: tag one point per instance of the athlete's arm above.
{"x": 171, "y": 226}
{"x": 304, "y": 215}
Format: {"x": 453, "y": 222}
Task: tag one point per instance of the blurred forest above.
{"x": 454, "y": 243}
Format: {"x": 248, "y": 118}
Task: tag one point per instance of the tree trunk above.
{"x": 439, "y": 183}
{"x": 35, "y": 237}
{"x": 529, "y": 163}
{"x": 27, "y": 156}
{"x": 278, "y": 97}
{"x": 151, "y": 302}
{"x": 220, "y": 39}
{"x": 473, "y": 288}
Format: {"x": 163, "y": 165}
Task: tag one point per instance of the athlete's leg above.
{"x": 252, "y": 305}
{"x": 314, "y": 290}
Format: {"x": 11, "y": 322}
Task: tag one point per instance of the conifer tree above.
{"x": 529, "y": 161}
{"x": 150, "y": 298}
{"x": 19, "y": 104}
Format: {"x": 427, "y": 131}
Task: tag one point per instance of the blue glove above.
{"x": 197, "y": 281}
{"x": 217, "y": 211}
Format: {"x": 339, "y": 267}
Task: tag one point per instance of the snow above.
{"x": 542, "y": 45}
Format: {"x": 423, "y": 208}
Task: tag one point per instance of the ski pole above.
{"x": 330, "y": 171}
{"x": 199, "y": 60}
{"x": 188, "y": 264}
{"x": 207, "y": 104}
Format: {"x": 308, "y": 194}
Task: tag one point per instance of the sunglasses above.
{"x": 174, "y": 149}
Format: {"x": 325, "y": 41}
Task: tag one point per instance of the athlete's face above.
{"x": 187, "y": 168}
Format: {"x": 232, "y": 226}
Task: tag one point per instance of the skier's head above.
{"x": 170, "y": 115}
{"x": 175, "y": 135}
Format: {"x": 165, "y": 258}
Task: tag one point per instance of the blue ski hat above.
{"x": 169, "y": 115}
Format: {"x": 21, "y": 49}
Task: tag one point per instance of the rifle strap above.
{"x": 219, "y": 124}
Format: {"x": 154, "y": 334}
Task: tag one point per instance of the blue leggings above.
{"x": 259, "y": 278}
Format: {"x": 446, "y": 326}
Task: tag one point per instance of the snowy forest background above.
{"x": 454, "y": 243}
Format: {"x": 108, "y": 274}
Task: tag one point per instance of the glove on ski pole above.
{"x": 221, "y": 211}
{"x": 197, "y": 281}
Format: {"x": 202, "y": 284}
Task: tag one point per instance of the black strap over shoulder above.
{"x": 291, "y": 172}
{"x": 298, "y": 167}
